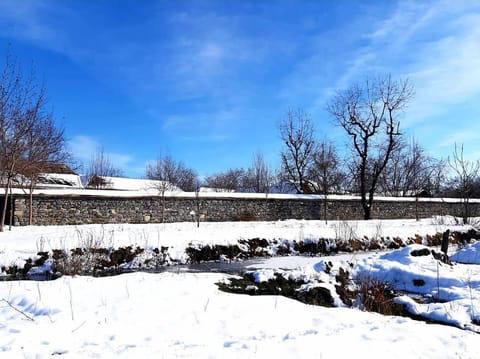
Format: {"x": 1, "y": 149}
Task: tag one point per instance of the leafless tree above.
{"x": 369, "y": 114}
{"x": 393, "y": 179}
{"x": 408, "y": 173}
{"x": 297, "y": 134}
{"x": 230, "y": 180}
{"x": 325, "y": 173}
{"x": 23, "y": 117}
{"x": 412, "y": 172}
{"x": 466, "y": 174}
{"x": 99, "y": 167}
{"x": 437, "y": 178}
{"x": 171, "y": 172}
{"x": 45, "y": 147}
{"x": 259, "y": 176}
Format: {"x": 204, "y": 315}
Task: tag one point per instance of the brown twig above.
{"x": 18, "y": 310}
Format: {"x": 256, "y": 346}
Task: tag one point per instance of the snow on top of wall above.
{"x": 146, "y": 191}
{"x": 132, "y": 187}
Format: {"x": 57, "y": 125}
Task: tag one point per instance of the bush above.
{"x": 377, "y": 296}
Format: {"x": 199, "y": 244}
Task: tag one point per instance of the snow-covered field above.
{"x": 185, "y": 315}
{"x": 24, "y": 242}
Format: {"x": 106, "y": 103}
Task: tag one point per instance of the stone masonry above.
{"x": 87, "y": 209}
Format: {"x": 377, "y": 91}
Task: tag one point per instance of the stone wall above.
{"x": 86, "y": 209}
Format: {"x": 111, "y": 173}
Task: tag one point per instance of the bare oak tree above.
{"x": 369, "y": 114}
{"x": 296, "y": 132}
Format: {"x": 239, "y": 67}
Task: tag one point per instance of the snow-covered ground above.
{"x": 185, "y": 315}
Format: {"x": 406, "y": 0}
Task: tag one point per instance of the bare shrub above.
{"x": 345, "y": 232}
{"x": 374, "y": 295}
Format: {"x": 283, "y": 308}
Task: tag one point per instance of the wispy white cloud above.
{"x": 176, "y": 55}
{"x": 202, "y": 127}
{"x": 200, "y": 70}
{"x": 83, "y": 147}
{"x": 20, "y": 20}
{"x": 435, "y": 45}
{"x": 460, "y": 137}
{"x": 208, "y": 54}
{"x": 34, "y": 22}
{"x": 450, "y": 73}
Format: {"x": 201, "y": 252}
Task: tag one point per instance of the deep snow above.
{"x": 184, "y": 315}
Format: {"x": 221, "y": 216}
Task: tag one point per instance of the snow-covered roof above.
{"x": 59, "y": 180}
{"x": 136, "y": 184}
{"x": 215, "y": 190}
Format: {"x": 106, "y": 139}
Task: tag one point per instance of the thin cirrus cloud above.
{"x": 439, "y": 48}
{"x": 206, "y": 71}
{"x": 21, "y": 20}
{"x": 435, "y": 45}
{"x": 208, "y": 53}
{"x": 200, "y": 58}
{"x": 84, "y": 147}
{"x": 450, "y": 75}
{"x": 40, "y": 23}
{"x": 202, "y": 127}
{"x": 420, "y": 41}
{"x": 458, "y": 137}
{"x": 438, "y": 53}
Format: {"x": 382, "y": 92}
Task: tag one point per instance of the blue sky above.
{"x": 208, "y": 81}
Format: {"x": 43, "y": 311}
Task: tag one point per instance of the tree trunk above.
{"x": 325, "y": 208}
{"x": 367, "y": 212}
{"x": 198, "y": 209}
{"x": 11, "y": 211}
{"x": 416, "y": 208}
{"x": 367, "y": 206}
{"x": 5, "y": 201}
{"x": 466, "y": 213}
{"x": 30, "y": 206}
{"x": 163, "y": 207}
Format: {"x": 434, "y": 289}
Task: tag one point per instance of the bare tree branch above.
{"x": 28, "y": 136}
{"x": 259, "y": 177}
{"x": 171, "y": 172}
{"x": 99, "y": 167}
{"x": 369, "y": 115}
{"x": 465, "y": 176}
{"x": 296, "y": 132}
